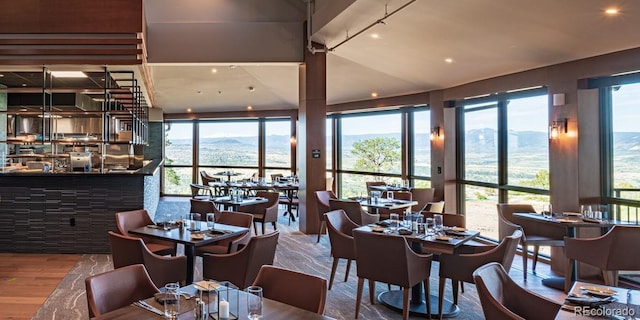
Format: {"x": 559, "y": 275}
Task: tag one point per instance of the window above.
{"x": 421, "y": 148}
{"x": 228, "y": 144}
{"x": 178, "y": 157}
{"x": 277, "y": 144}
{"x": 481, "y": 142}
{"x": 625, "y": 102}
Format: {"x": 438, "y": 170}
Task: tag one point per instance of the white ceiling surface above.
{"x": 485, "y": 38}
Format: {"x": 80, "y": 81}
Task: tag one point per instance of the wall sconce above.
{"x": 557, "y": 127}
{"x": 293, "y": 140}
{"x": 558, "y": 99}
{"x": 435, "y": 133}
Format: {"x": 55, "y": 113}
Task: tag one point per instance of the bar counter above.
{"x": 71, "y": 212}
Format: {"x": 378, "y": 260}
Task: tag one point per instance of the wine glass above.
{"x": 211, "y": 221}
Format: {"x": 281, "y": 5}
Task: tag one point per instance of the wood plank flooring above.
{"x": 26, "y": 280}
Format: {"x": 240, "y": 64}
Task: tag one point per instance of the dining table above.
{"x": 289, "y": 190}
{"x": 271, "y": 309}
{"x": 373, "y": 206}
{"x": 185, "y": 236}
{"x": 390, "y": 187}
{"x": 595, "y": 301}
{"x": 421, "y": 242}
{"x": 571, "y": 222}
{"x": 234, "y": 204}
{"x": 227, "y": 174}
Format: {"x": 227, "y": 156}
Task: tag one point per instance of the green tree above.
{"x": 170, "y": 174}
{"x": 541, "y": 180}
{"x": 376, "y": 154}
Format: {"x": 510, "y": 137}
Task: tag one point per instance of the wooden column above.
{"x": 311, "y": 137}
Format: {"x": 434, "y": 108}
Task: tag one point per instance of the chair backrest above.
{"x": 272, "y": 201}
{"x": 237, "y": 219}
{"x": 329, "y": 183}
{"x": 126, "y": 251}
{"x": 530, "y": 227}
{"x": 322, "y": 201}
{"x": 503, "y": 299}
{"x": 276, "y": 176}
{"x": 200, "y": 191}
{"x": 374, "y": 183}
{"x": 352, "y": 208}
{"x": 294, "y": 288}
{"x": 422, "y": 196}
{"x": 203, "y": 207}
{"x": 129, "y": 220}
{"x": 340, "y": 229}
{"x": 449, "y": 219}
{"x": 434, "y": 207}
{"x": 373, "y": 248}
{"x": 206, "y": 178}
{"x": 118, "y": 288}
{"x": 242, "y": 266}
{"x": 620, "y": 255}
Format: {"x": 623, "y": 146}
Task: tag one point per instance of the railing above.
{"x": 625, "y": 204}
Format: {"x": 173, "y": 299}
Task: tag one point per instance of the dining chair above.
{"x": 117, "y": 288}
{"x": 126, "y": 251}
{"x": 232, "y": 244}
{"x": 615, "y": 250}
{"x": 206, "y": 178}
{"x": 263, "y": 212}
{"x": 434, "y": 207}
{"x": 340, "y": 229}
{"x": 422, "y": 196}
{"x": 369, "y": 184}
{"x": 276, "y": 176}
{"x": 534, "y": 233}
{"x": 129, "y": 220}
{"x": 322, "y": 204}
{"x": 354, "y": 211}
{"x": 329, "y": 183}
{"x": 241, "y": 267}
{"x": 298, "y": 289}
{"x": 202, "y": 207}
{"x": 503, "y": 299}
{"x": 460, "y": 267}
{"x": 201, "y": 192}
{"x": 402, "y": 266}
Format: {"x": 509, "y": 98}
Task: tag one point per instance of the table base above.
{"x": 554, "y": 282}
{"x": 393, "y": 300}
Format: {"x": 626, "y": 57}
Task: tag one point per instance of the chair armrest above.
{"x": 368, "y": 218}
{"x": 163, "y": 270}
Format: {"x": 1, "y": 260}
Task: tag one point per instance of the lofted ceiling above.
{"x": 258, "y": 44}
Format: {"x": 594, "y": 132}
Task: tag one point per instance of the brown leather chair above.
{"x": 202, "y": 207}
{"x": 276, "y": 176}
{"x": 402, "y": 266}
{"x": 241, "y": 267}
{"x": 201, "y": 192}
{"x": 422, "y": 196}
{"x": 118, "y": 288}
{"x": 129, "y": 220}
{"x": 232, "y": 244}
{"x": 503, "y": 299}
{"x": 460, "y": 267}
{"x": 206, "y": 178}
{"x": 400, "y": 195}
{"x": 340, "y": 229}
{"x": 127, "y": 251}
{"x": 434, "y": 207}
{"x": 297, "y": 289}
{"x": 263, "y": 212}
{"x": 534, "y": 233}
{"x": 375, "y": 183}
{"x": 616, "y": 250}
{"x": 354, "y": 211}
{"x": 322, "y": 203}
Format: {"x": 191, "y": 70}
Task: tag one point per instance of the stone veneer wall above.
{"x": 153, "y": 151}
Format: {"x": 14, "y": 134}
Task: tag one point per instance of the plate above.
{"x": 599, "y": 291}
{"x": 197, "y": 236}
{"x": 205, "y": 285}
{"x": 443, "y": 238}
{"x": 377, "y": 229}
{"x": 572, "y": 214}
{"x": 459, "y": 229}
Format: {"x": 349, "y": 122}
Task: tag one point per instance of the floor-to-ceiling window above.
{"x": 277, "y": 147}
{"x": 178, "y": 157}
{"x": 420, "y": 151}
{"x": 228, "y": 146}
{"x": 504, "y": 155}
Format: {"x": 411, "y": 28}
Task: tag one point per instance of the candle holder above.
{"x": 228, "y": 305}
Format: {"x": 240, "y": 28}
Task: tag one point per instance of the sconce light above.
{"x": 435, "y": 133}
{"x": 293, "y": 140}
{"x": 558, "y": 99}
{"x": 557, "y": 127}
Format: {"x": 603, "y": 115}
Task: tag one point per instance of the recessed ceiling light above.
{"x": 68, "y": 74}
{"x": 199, "y": 92}
{"x": 252, "y": 89}
{"x": 233, "y": 66}
{"x": 214, "y": 70}
{"x": 24, "y": 84}
{"x": 374, "y": 94}
{"x": 249, "y": 108}
{"x": 1, "y": 75}
{"x": 188, "y": 109}
{"x": 375, "y": 35}
{"x": 448, "y": 60}
{"x": 611, "y": 11}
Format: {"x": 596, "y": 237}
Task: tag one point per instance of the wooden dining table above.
{"x": 385, "y": 203}
{"x": 619, "y": 308}
{"x": 234, "y": 205}
{"x": 183, "y": 236}
{"x": 271, "y": 309}
{"x": 429, "y": 244}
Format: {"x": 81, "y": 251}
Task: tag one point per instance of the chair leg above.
{"x": 372, "y": 291}
{"x": 441, "y": 284}
{"x": 263, "y": 223}
{"x": 334, "y": 266}
{"x": 320, "y": 230}
{"x": 359, "y": 296}
{"x": 405, "y": 303}
{"x": 462, "y": 286}
{"x": 275, "y": 226}
{"x": 346, "y": 274}
{"x": 454, "y": 287}
{"x": 525, "y": 253}
{"x": 255, "y": 227}
{"x": 427, "y": 295}
{"x": 568, "y": 274}
{"x": 535, "y": 258}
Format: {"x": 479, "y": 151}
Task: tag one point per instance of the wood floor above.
{"x": 26, "y": 280}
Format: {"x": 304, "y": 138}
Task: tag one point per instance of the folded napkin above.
{"x": 588, "y": 300}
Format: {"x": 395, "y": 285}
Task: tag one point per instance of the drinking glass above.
{"x": 390, "y": 195}
{"x": 172, "y": 300}
{"x": 194, "y": 224}
{"x": 167, "y": 221}
{"x": 547, "y": 210}
{"x": 429, "y": 226}
{"x": 254, "y": 302}
{"x": 395, "y": 218}
{"x": 438, "y": 223}
{"x": 419, "y": 224}
{"x": 211, "y": 221}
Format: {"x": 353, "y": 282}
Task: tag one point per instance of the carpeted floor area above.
{"x": 296, "y": 251}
